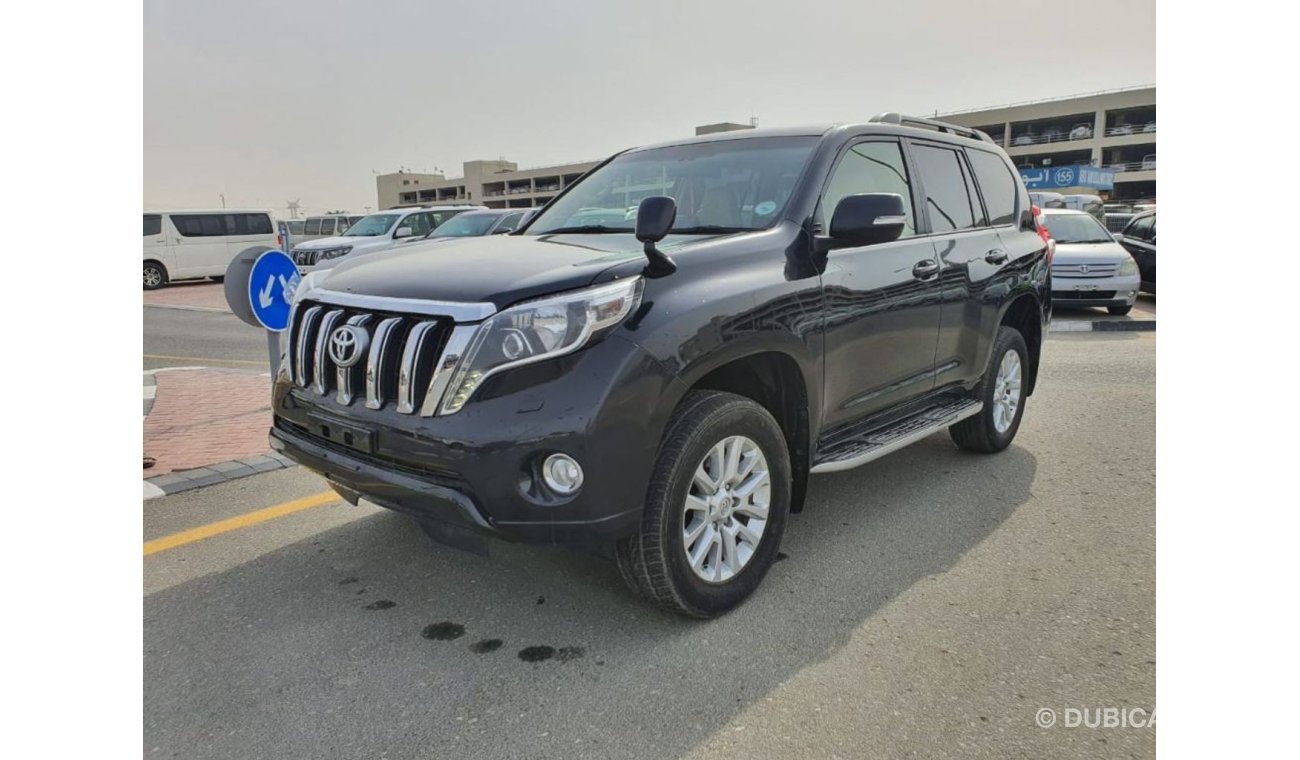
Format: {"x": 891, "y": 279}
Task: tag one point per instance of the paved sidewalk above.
{"x": 204, "y": 426}
{"x": 203, "y": 295}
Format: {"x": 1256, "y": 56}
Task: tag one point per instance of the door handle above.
{"x": 925, "y": 269}
{"x": 996, "y": 256}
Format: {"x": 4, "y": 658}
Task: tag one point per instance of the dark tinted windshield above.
{"x": 723, "y": 186}
{"x": 1076, "y": 228}
{"x": 373, "y": 225}
{"x": 465, "y": 225}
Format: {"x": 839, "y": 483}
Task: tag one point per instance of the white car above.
{"x": 1089, "y": 268}
{"x": 374, "y": 233}
{"x": 185, "y": 245}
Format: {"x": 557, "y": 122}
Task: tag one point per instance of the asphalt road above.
{"x": 931, "y": 603}
{"x": 185, "y": 338}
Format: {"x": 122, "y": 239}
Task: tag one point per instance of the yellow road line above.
{"x": 235, "y": 523}
{"x": 204, "y": 359}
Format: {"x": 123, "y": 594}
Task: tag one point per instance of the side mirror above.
{"x": 654, "y": 218}
{"x": 867, "y": 219}
{"x": 403, "y": 232}
{"x": 1119, "y": 236}
{"x": 502, "y": 231}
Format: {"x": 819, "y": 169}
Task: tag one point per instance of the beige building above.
{"x": 1114, "y": 129}
{"x": 495, "y": 184}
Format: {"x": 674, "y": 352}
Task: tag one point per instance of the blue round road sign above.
{"x": 271, "y": 285}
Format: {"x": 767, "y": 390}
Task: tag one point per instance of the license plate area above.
{"x": 341, "y": 433}
{"x": 1082, "y": 286}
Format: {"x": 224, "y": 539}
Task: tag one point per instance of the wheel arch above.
{"x": 1024, "y": 314}
{"x": 776, "y": 381}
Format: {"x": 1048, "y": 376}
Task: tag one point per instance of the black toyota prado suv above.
{"x": 654, "y": 365}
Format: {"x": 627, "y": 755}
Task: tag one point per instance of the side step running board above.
{"x": 878, "y": 443}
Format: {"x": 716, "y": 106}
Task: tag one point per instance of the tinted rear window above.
{"x": 221, "y": 225}
{"x": 996, "y": 184}
{"x": 946, "y": 198}
{"x": 152, "y": 224}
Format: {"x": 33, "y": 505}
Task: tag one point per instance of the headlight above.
{"x": 334, "y": 253}
{"x": 537, "y": 330}
{"x": 1129, "y": 267}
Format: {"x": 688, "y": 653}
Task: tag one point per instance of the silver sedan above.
{"x": 1089, "y": 268}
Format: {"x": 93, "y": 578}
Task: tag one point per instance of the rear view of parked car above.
{"x": 1139, "y": 239}
{"x": 1089, "y": 268}
{"x": 186, "y": 245}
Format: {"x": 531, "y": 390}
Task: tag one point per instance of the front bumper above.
{"x": 477, "y": 469}
{"x": 1095, "y": 291}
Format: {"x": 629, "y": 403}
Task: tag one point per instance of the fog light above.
{"x": 562, "y": 474}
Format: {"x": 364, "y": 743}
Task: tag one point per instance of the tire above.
{"x": 981, "y": 432}
{"x": 1119, "y": 311}
{"x": 654, "y": 561}
{"x": 155, "y": 275}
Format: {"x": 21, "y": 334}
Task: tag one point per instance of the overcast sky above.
{"x": 267, "y": 102}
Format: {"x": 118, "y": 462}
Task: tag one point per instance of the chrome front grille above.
{"x": 409, "y": 361}
{"x": 1084, "y": 270}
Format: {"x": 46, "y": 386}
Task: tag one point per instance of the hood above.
{"x": 501, "y": 269}
{"x": 1109, "y": 252}
{"x": 320, "y": 244}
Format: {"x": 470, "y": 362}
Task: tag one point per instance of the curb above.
{"x": 186, "y": 480}
{"x": 1103, "y": 325}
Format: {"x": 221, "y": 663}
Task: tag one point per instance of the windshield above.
{"x": 373, "y": 225}
{"x": 1077, "y": 228}
{"x": 465, "y": 225}
{"x": 725, "y": 186}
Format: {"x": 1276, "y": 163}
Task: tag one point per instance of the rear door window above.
{"x": 996, "y": 185}
{"x": 152, "y": 224}
{"x": 200, "y": 225}
{"x": 947, "y": 200}
{"x": 313, "y": 226}
{"x": 327, "y": 226}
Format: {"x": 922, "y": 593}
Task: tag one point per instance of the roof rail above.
{"x": 889, "y": 117}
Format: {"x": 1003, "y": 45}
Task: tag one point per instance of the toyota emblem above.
{"x": 1083, "y": 269}
{"x": 348, "y": 345}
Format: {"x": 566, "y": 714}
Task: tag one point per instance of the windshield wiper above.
{"x": 710, "y": 229}
{"x": 584, "y": 229}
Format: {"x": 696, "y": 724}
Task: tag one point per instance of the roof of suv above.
{"x": 816, "y": 130}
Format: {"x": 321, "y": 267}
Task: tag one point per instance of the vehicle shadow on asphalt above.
{"x": 353, "y": 638}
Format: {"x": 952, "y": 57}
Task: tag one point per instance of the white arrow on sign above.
{"x": 264, "y": 297}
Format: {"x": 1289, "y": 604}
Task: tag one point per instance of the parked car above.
{"x": 1089, "y": 267}
{"x": 1120, "y": 129}
{"x": 1053, "y": 134}
{"x": 1047, "y": 200}
{"x": 1081, "y": 132}
{"x": 1139, "y": 239}
{"x": 1090, "y": 204}
{"x": 1116, "y": 215}
{"x": 375, "y": 233}
{"x": 1025, "y": 139}
{"x": 476, "y": 223}
{"x": 1150, "y": 127}
{"x": 186, "y": 245}
{"x": 1149, "y": 162}
{"x": 326, "y": 225}
{"x": 662, "y": 388}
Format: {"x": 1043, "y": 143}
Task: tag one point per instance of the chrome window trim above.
{"x": 457, "y": 310}
{"x": 446, "y": 367}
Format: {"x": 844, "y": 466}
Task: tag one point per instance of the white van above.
{"x": 184, "y": 245}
